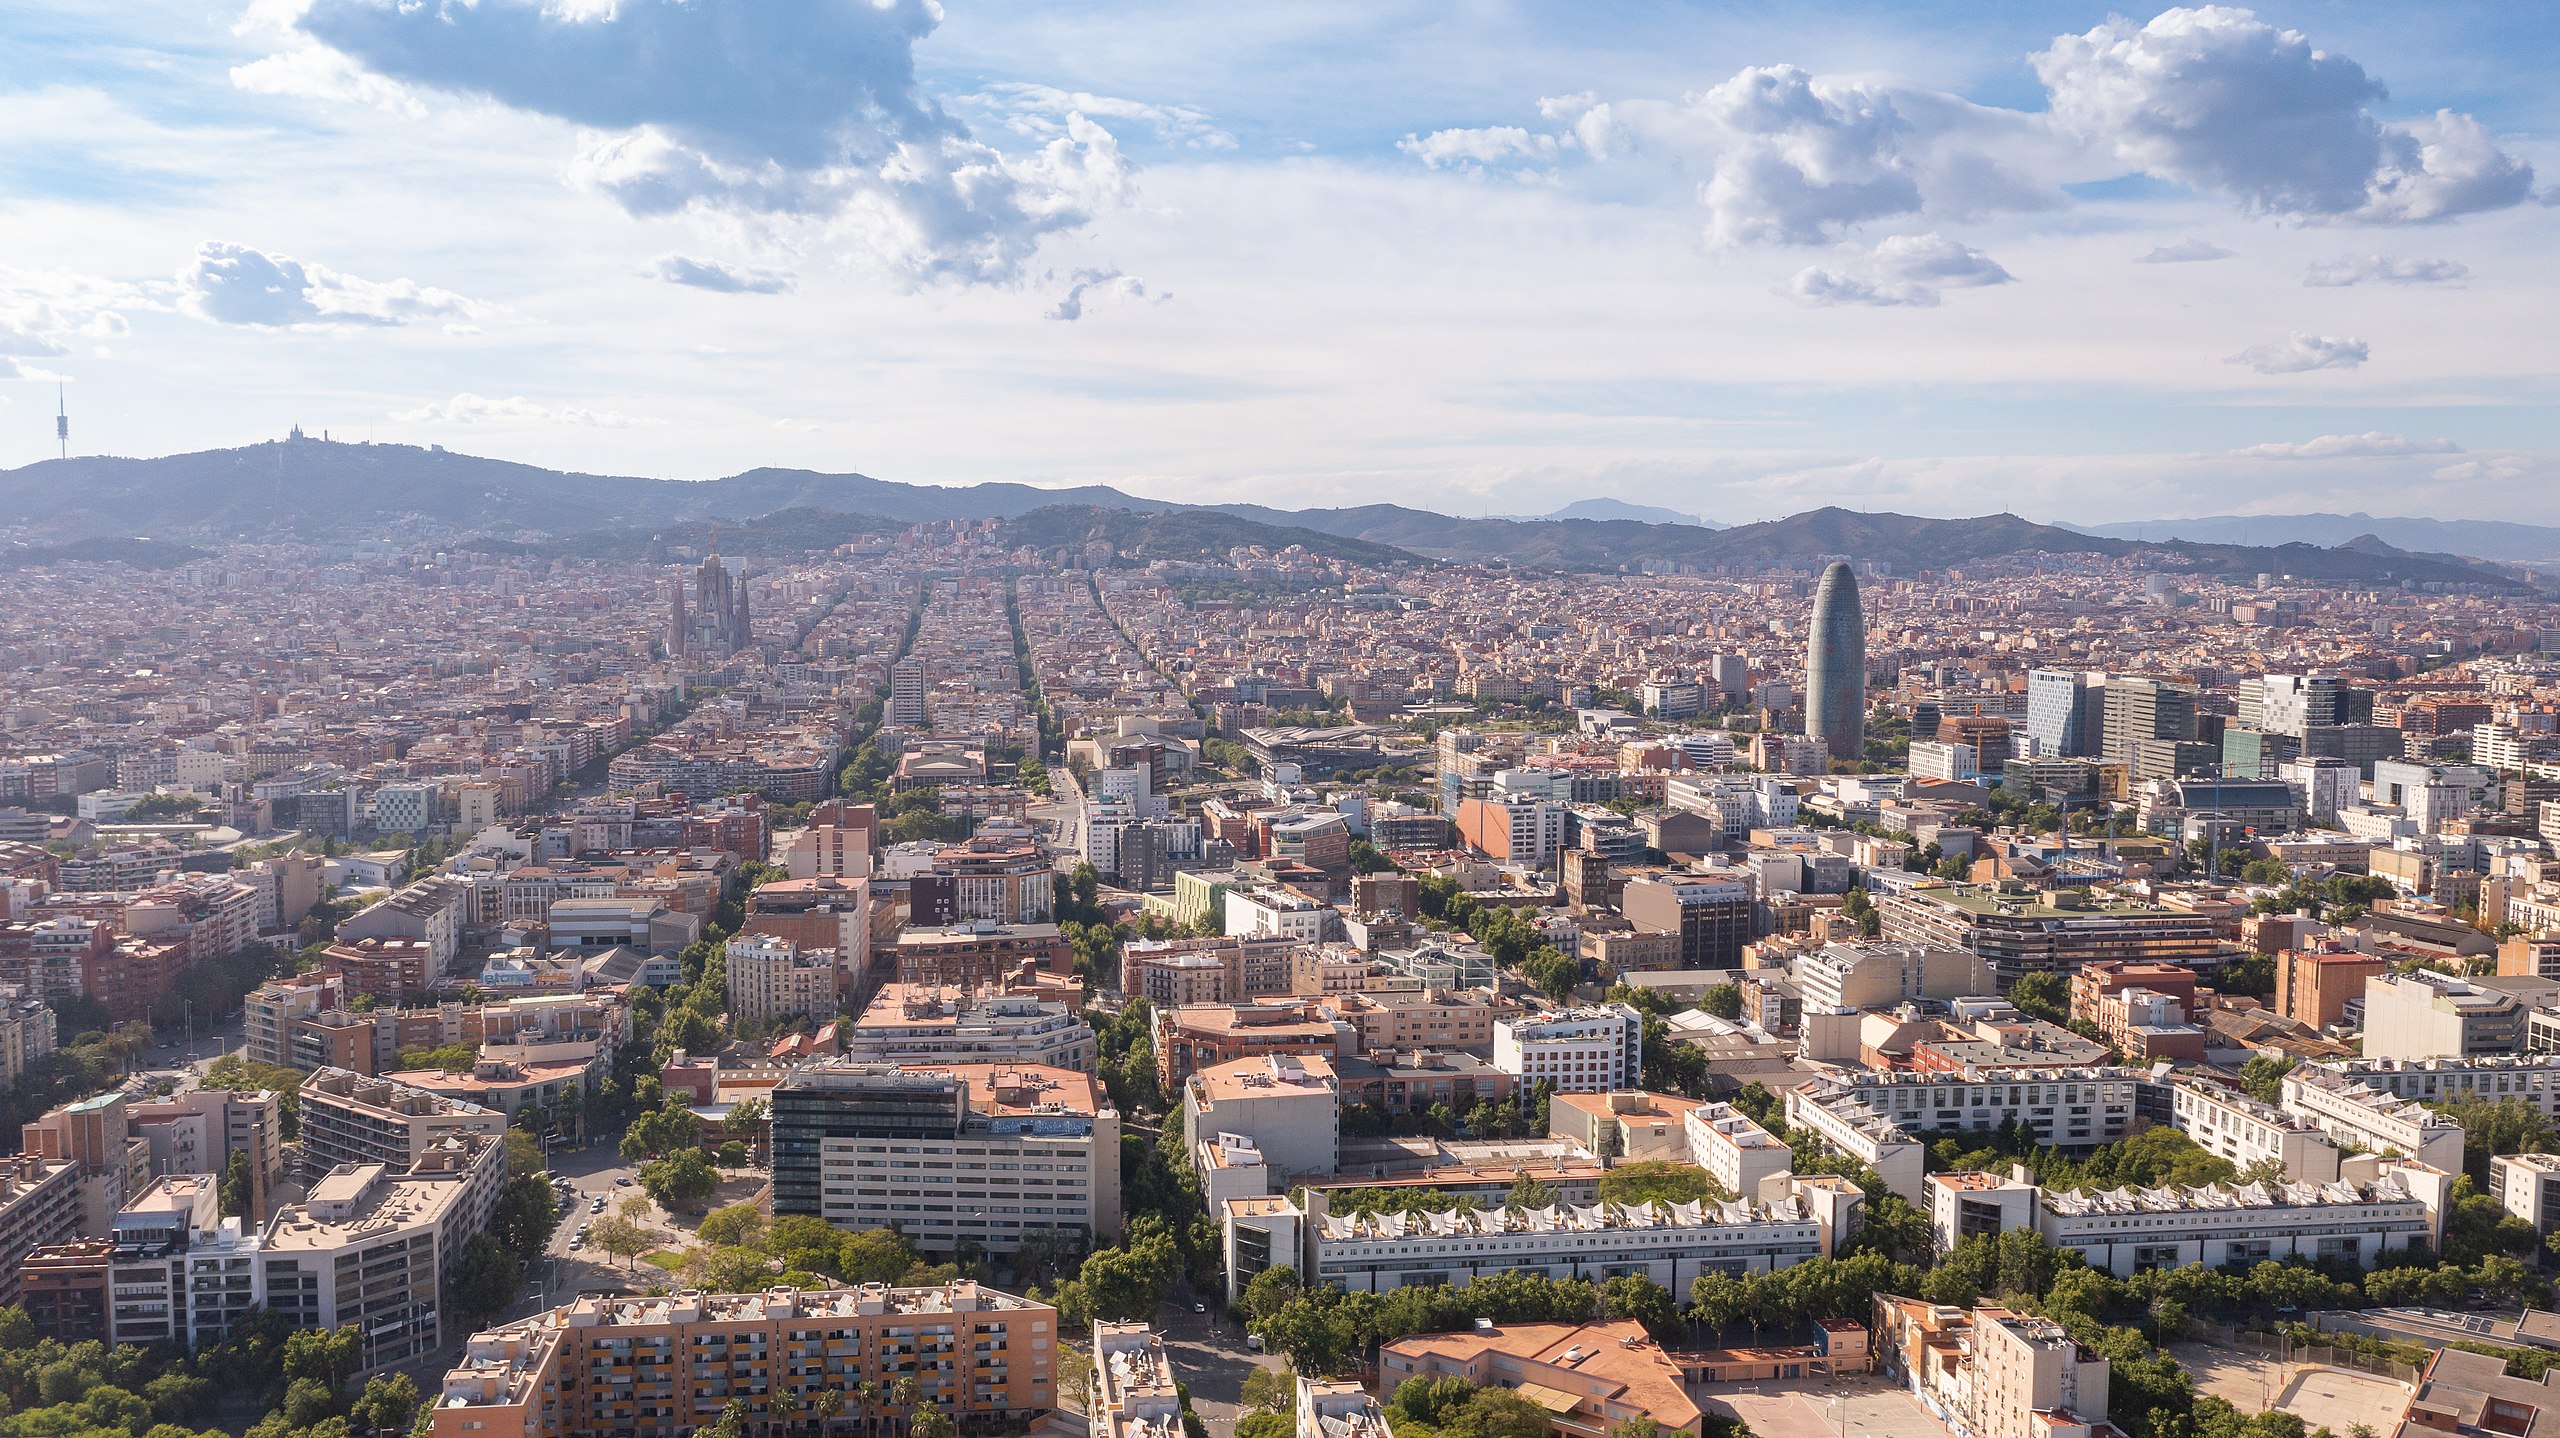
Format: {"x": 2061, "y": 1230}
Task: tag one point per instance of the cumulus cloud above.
{"x": 1041, "y": 111}
{"x": 780, "y": 111}
{"x": 2299, "y": 352}
{"x": 467, "y": 408}
{"x": 2219, "y": 100}
{"x": 235, "y": 285}
{"x": 1092, "y": 286}
{"x": 13, "y": 368}
{"x": 1477, "y": 148}
{"x": 717, "y": 275}
{"x": 2382, "y": 270}
{"x": 2372, "y": 444}
{"x": 2212, "y": 98}
{"x": 1901, "y": 270}
{"x": 1802, "y": 157}
{"x": 2186, "y": 251}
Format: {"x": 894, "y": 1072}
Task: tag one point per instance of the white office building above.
{"x": 1672, "y": 1244}
{"x": 1596, "y": 1049}
{"x": 2375, "y": 1120}
{"x": 2126, "y": 1230}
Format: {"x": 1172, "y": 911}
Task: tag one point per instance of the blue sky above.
{"x": 2082, "y": 264}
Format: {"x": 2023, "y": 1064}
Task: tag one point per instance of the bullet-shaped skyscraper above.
{"x": 1835, "y": 667}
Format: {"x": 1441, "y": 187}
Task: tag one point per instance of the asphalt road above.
{"x": 1208, "y": 1353}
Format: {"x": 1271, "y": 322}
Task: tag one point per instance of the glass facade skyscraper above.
{"x": 1835, "y": 667}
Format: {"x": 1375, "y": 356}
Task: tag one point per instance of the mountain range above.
{"x": 316, "y": 490}
{"x": 2479, "y": 538}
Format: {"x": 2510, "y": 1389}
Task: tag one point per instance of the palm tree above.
{"x": 830, "y": 1405}
{"x": 866, "y": 1393}
{"x": 903, "y": 1397}
{"x": 786, "y": 1409}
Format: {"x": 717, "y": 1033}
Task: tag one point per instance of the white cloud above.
{"x": 12, "y": 368}
{"x": 233, "y": 284}
{"x": 2372, "y": 444}
{"x": 1801, "y": 158}
{"x": 1475, "y": 149}
{"x": 2186, "y": 251}
{"x": 1900, "y": 270}
{"x": 720, "y": 276}
{"x": 314, "y": 72}
{"x": 2380, "y": 269}
{"x": 779, "y": 112}
{"x": 1088, "y": 286}
{"x": 1041, "y": 112}
{"x": 2299, "y": 352}
{"x": 467, "y": 408}
{"x": 2221, "y": 101}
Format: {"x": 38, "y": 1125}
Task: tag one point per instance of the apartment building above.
{"x": 2314, "y": 986}
{"x": 1338, "y": 1409}
{"x": 198, "y": 1131}
{"x": 389, "y": 971}
{"x": 27, "y": 1032}
{"x": 665, "y": 1367}
{"x": 1844, "y": 1120}
{"x": 989, "y": 1153}
{"x": 2372, "y": 1119}
{"x": 371, "y": 1246}
{"x": 1288, "y": 1106}
{"x": 1270, "y": 912}
{"x": 1670, "y": 1244}
{"x": 39, "y": 1207}
{"x": 1133, "y": 1393}
{"x": 1199, "y": 1036}
{"x": 2529, "y": 1078}
{"x": 1598, "y": 1048}
{"x": 1713, "y": 917}
{"x": 913, "y": 1024}
{"x": 1882, "y": 976}
{"x": 2126, "y": 1230}
{"x": 2527, "y": 1185}
{"x": 1389, "y": 1021}
{"x": 1590, "y": 1378}
{"x": 179, "y": 1272}
{"x": 1993, "y": 1373}
{"x": 1734, "y": 1151}
{"x": 2234, "y": 1126}
{"x": 2047, "y": 933}
{"x": 273, "y": 1011}
{"x": 2063, "y": 1107}
{"x": 2426, "y": 1015}
{"x": 350, "y": 1119}
{"x": 772, "y": 980}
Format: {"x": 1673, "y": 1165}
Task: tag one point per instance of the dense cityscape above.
{"x": 978, "y": 719}
{"x": 942, "y": 984}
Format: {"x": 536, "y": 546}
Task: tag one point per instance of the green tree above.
{"x": 235, "y": 1189}
{"x": 389, "y": 1404}
{"x": 2262, "y": 1077}
{"x": 2043, "y": 996}
{"x": 1724, "y": 1001}
{"x": 1658, "y": 1181}
{"x": 683, "y": 1179}
{"x": 1634, "y": 1296}
{"x": 484, "y": 1281}
{"x": 739, "y": 1225}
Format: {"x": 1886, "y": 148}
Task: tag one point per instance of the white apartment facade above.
{"x": 1594, "y": 1049}
{"x": 1670, "y": 1244}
